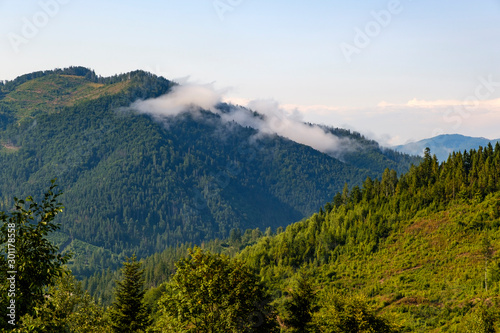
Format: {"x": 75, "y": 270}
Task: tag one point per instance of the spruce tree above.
{"x": 301, "y": 305}
{"x": 128, "y": 313}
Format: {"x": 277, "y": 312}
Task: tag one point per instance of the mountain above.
{"x": 419, "y": 249}
{"x": 443, "y": 145}
{"x": 416, "y": 248}
{"x": 422, "y": 249}
{"x": 136, "y": 183}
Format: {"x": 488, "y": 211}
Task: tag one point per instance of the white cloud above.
{"x": 419, "y": 103}
{"x": 185, "y": 98}
{"x": 398, "y": 123}
{"x": 388, "y": 123}
{"x": 275, "y": 120}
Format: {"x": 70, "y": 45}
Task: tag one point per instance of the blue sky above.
{"x": 393, "y": 70}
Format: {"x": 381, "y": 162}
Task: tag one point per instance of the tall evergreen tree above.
{"x": 128, "y": 313}
{"x": 301, "y": 306}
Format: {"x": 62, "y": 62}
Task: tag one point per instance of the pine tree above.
{"x": 300, "y": 306}
{"x": 128, "y": 313}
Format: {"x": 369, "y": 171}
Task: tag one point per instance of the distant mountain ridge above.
{"x": 135, "y": 184}
{"x": 418, "y": 246}
{"x": 443, "y": 145}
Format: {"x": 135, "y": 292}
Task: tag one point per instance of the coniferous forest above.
{"x": 295, "y": 241}
{"x": 132, "y": 184}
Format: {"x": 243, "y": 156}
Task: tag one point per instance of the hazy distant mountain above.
{"x": 443, "y": 145}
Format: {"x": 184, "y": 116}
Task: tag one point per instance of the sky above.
{"x": 394, "y": 70}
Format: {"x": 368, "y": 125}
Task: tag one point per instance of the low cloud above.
{"x": 468, "y": 103}
{"x": 186, "y": 98}
{"x": 290, "y": 124}
{"x": 393, "y": 124}
{"x": 274, "y": 119}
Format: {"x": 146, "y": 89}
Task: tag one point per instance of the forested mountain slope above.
{"x": 421, "y": 249}
{"x": 134, "y": 184}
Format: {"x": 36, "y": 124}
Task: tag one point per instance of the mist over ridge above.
{"x": 271, "y": 118}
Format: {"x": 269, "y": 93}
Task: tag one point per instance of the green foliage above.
{"x": 423, "y": 247}
{"x": 134, "y": 185}
{"x": 300, "y": 305}
{"x": 211, "y": 293}
{"x": 413, "y": 244}
{"x": 481, "y": 319}
{"x": 67, "y": 309}
{"x": 160, "y": 266}
{"x": 358, "y": 221}
{"x": 128, "y": 313}
{"x": 349, "y": 314}
{"x": 27, "y": 256}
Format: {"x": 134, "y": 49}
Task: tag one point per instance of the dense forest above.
{"x": 136, "y": 185}
{"x": 414, "y": 253}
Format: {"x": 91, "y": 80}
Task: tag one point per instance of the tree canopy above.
{"x": 212, "y": 293}
{"x": 27, "y": 257}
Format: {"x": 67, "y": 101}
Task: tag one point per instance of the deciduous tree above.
{"x": 27, "y": 256}
{"x": 211, "y": 293}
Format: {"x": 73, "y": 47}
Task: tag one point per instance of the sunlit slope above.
{"x": 423, "y": 248}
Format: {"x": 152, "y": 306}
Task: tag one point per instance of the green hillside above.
{"x": 420, "y": 250}
{"x": 53, "y": 91}
{"x": 417, "y": 246}
{"x": 133, "y": 184}
{"x": 416, "y": 252}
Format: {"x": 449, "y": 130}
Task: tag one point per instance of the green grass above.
{"x": 53, "y": 92}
